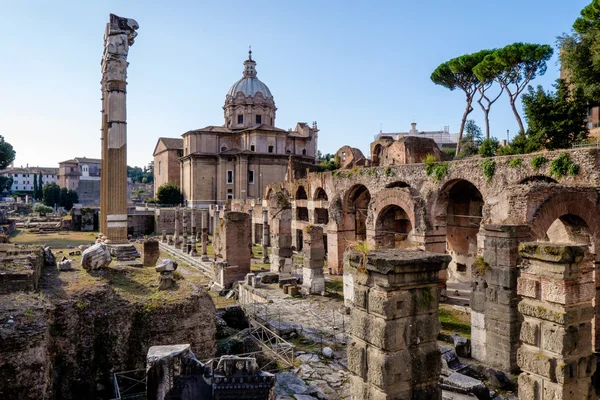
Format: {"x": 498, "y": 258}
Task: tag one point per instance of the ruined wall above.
{"x": 140, "y": 224}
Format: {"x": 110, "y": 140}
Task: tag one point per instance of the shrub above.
{"x": 42, "y": 209}
{"x": 450, "y": 153}
{"x": 489, "y": 168}
{"x": 538, "y": 161}
{"x": 439, "y": 171}
{"x": 489, "y": 147}
{"x": 429, "y": 162}
{"x": 515, "y": 162}
{"x": 169, "y": 193}
{"x": 480, "y": 267}
{"x": 562, "y": 165}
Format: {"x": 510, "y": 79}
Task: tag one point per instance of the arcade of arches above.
{"x": 475, "y": 220}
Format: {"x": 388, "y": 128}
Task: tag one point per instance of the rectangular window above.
{"x": 251, "y": 177}
{"x": 159, "y": 167}
{"x": 229, "y": 194}
{"x": 270, "y": 149}
{"x": 240, "y": 119}
{"x": 252, "y": 148}
{"x": 229, "y": 176}
{"x": 259, "y": 119}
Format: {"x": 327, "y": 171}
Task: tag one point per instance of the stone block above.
{"x": 530, "y": 387}
{"x": 528, "y": 286}
{"x": 530, "y": 332}
{"x": 403, "y": 303}
{"x": 357, "y": 358}
{"x": 96, "y": 257}
{"x": 550, "y": 252}
{"x": 532, "y": 360}
{"x": 151, "y": 253}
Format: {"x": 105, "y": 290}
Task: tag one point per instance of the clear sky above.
{"x": 351, "y": 66}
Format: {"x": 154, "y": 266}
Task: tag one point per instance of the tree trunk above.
{"x": 463, "y": 123}
{"x": 517, "y": 116}
{"x": 486, "y": 115}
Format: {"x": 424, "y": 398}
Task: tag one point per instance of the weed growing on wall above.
{"x": 562, "y": 165}
{"x": 489, "y": 168}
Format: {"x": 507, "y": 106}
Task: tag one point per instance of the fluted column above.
{"x": 118, "y": 37}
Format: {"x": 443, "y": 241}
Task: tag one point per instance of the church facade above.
{"x": 239, "y": 158}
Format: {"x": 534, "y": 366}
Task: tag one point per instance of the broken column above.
{"x": 119, "y": 35}
{"x": 176, "y": 233}
{"x": 151, "y": 252}
{"x": 205, "y": 217}
{"x": 166, "y": 268}
{"x": 265, "y": 238}
{"x": 280, "y": 208}
{"x": 313, "y": 251}
{"x": 556, "y": 354}
{"x": 184, "y": 245}
{"x": 394, "y": 325}
{"x": 233, "y": 248}
{"x": 164, "y": 236}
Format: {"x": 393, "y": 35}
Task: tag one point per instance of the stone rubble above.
{"x": 96, "y": 257}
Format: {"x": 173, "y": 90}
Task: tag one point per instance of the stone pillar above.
{"x": 281, "y": 233}
{"x": 233, "y": 247}
{"x": 313, "y": 251}
{"x": 205, "y": 217}
{"x": 555, "y": 356}
{"x": 495, "y": 320}
{"x": 393, "y": 353}
{"x": 336, "y": 244}
{"x": 164, "y": 236}
{"x": 151, "y": 252}
{"x": 265, "y": 238}
{"x": 184, "y": 223}
{"x": 118, "y": 37}
{"x": 176, "y": 233}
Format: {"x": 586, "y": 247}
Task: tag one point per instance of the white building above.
{"x": 23, "y": 177}
{"x": 441, "y": 137}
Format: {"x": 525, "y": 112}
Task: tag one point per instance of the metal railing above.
{"x": 130, "y": 385}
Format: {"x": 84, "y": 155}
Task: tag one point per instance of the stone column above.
{"x": 184, "y": 223}
{"x": 205, "y": 217}
{"x": 495, "y": 321}
{"x": 164, "y": 236}
{"x": 313, "y": 250}
{"x": 555, "y": 356}
{"x": 281, "y": 233}
{"x": 393, "y": 353}
{"x": 118, "y": 37}
{"x": 176, "y": 233}
{"x": 265, "y": 238}
{"x": 233, "y": 247}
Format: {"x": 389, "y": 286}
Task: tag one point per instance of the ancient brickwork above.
{"x": 556, "y": 352}
{"x": 233, "y": 248}
{"x": 151, "y": 252}
{"x": 393, "y": 353}
{"x": 495, "y": 320}
{"x": 314, "y": 259}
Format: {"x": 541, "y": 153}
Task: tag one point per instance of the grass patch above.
{"x": 54, "y": 240}
{"x": 334, "y": 286}
{"x": 454, "y": 321}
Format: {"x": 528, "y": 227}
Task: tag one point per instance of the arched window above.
{"x": 271, "y": 148}
{"x": 223, "y": 148}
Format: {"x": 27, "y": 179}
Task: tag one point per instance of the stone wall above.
{"x": 20, "y": 268}
{"x": 140, "y": 223}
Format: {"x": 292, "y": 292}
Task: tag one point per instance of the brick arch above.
{"x": 438, "y": 205}
{"x": 387, "y": 197}
{"x": 562, "y": 204}
{"x": 301, "y": 193}
{"x": 319, "y": 190}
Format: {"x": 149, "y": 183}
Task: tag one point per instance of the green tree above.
{"x": 457, "y": 73}
{"x": 51, "y": 194}
{"x": 6, "y": 183}
{"x": 486, "y": 83}
{"x": 67, "y": 198}
{"x": 35, "y": 187}
{"x": 40, "y": 185}
{"x": 471, "y": 139}
{"x": 580, "y": 52}
{"x": 557, "y": 119}
{"x": 169, "y": 194}
{"x": 7, "y": 153}
{"x": 42, "y": 209}
{"x": 489, "y": 147}
{"x": 513, "y": 67}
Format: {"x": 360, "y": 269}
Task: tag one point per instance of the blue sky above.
{"x": 351, "y": 66}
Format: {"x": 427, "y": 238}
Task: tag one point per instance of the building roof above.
{"x": 172, "y": 143}
{"x": 31, "y": 170}
{"x": 88, "y": 160}
{"x": 249, "y": 85}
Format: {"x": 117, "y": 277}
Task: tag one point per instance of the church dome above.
{"x": 250, "y": 85}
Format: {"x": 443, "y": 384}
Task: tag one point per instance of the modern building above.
{"x": 442, "y": 138}
{"x": 166, "y": 154}
{"x": 23, "y": 177}
{"x": 238, "y": 159}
